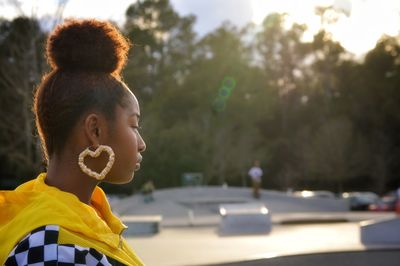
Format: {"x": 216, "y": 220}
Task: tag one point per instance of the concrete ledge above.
{"x": 381, "y": 232}
{"x": 245, "y": 218}
{"x": 141, "y": 224}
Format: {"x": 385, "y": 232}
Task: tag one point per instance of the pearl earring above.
{"x": 95, "y": 154}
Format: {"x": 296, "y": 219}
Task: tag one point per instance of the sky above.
{"x": 361, "y": 22}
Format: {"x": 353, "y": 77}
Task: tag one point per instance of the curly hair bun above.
{"x": 89, "y": 45}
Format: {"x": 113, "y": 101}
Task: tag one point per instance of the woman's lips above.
{"x": 137, "y": 166}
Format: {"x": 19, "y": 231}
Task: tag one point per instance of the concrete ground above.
{"x": 177, "y": 200}
{"x": 387, "y": 257}
{"x": 199, "y": 206}
{"x": 189, "y": 229}
{"x": 204, "y": 246}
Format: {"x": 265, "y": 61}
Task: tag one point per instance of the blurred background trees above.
{"x": 21, "y": 66}
{"x": 314, "y": 116}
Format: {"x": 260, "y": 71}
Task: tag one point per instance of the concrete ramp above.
{"x": 244, "y": 218}
{"x": 381, "y": 232}
{"x": 180, "y": 206}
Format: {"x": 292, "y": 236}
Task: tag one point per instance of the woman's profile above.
{"x": 88, "y": 122}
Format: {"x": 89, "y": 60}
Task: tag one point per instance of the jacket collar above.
{"x": 65, "y": 209}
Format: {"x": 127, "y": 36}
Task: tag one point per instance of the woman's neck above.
{"x": 65, "y": 174}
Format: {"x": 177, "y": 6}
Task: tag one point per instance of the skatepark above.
{"x": 182, "y": 226}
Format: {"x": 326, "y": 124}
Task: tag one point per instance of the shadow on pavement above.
{"x": 388, "y": 257}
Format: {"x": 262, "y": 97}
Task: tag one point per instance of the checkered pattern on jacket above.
{"x": 40, "y": 248}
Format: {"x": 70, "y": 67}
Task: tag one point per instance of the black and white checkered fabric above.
{"x": 40, "y": 248}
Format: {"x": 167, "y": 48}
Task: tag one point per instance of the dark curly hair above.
{"x": 86, "y": 57}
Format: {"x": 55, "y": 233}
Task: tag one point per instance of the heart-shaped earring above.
{"x": 95, "y": 154}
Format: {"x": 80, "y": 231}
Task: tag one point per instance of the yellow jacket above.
{"x": 35, "y": 204}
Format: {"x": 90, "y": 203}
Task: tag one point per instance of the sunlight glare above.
{"x": 366, "y": 25}
{"x": 259, "y": 9}
{"x": 361, "y": 22}
{"x": 301, "y": 12}
{"x": 90, "y": 8}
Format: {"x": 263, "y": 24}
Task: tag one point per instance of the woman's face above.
{"x": 126, "y": 142}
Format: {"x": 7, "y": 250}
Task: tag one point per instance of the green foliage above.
{"x": 313, "y": 116}
{"x": 21, "y": 65}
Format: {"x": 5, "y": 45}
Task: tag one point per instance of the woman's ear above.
{"x": 92, "y": 126}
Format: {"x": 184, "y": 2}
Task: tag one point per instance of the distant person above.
{"x": 398, "y": 201}
{"x": 256, "y": 173}
{"x": 147, "y": 191}
{"x": 87, "y": 120}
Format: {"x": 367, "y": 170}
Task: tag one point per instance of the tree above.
{"x": 314, "y": 116}
{"x": 287, "y": 77}
{"x": 21, "y": 65}
{"x": 226, "y": 86}
{"x": 162, "y": 46}
{"x": 336, "y": 153}
{"x": 162, "y": 56}
{"x": 373, "y": 103}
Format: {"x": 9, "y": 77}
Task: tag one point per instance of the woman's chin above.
{"x": 121, "y": 181}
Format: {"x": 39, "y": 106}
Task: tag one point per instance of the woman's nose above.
{"x": 142, "y": 144}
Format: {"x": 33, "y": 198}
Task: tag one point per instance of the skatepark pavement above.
{"x": 189, "y": 226}
{"x": 199, "y": 206}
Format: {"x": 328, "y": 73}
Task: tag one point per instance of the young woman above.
{"x": 88, "y": 122}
